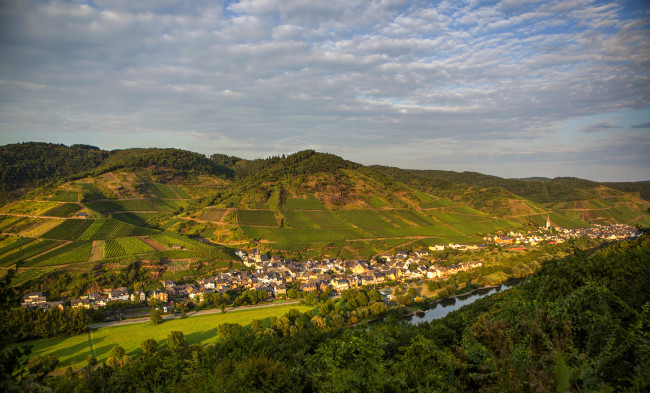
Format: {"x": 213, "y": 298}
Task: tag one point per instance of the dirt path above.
{"x": 153, "y": 243}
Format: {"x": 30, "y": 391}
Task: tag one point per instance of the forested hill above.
{"x": 536, "y": 189}
{"x": 33, "y": 164}
{"x": 579, "y": 324}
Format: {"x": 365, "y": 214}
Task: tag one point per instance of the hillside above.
{"x": 160, "y": 205}
{"x": 578, "y": 324}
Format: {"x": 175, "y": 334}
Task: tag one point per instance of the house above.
{"x": 139, "y": 296}
{"x": 359, "y": 268}
{"x": 118, "y": 294}
{"x": 159, "y": 294}
{"x": 279, "y": 290}
{"x": 79, "y": 303}
{"x": 82, "y": 215}
{"x": 51, "y": 305}
{"x": 309, "y": 287}
{"x": 33, "y": 299}
{"x": 177, "y": 247}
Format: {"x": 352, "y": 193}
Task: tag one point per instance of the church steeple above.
{"x": 548, "y": 221}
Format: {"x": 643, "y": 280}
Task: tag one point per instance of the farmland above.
{"x": 137, "y": 205}
{"x": 213, "y": 214}
{"x": 33, "y": 248}
{"x": 68, "y": 230}
{"x": 256, "y": 217}
{"x": 125, "y": 246}
{"x": 64, "y": 210}
{"x": 69, "y": 253}
{"x": 111, "y": 229}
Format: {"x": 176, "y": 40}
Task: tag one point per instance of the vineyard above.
{"x": 34, "y": 248}
{"x": 65, "y": 196}
{"x": 69, "y": 253}
{"x": 256, "y": 217}
{"x": 64, "y": 210}
{"x": 112, "y": 229}
{"x": 143, "y": 205}
{"x": 68, "y": 230}
{"x": 213, "y": 214}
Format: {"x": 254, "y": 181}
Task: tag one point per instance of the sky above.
{"x": 512, "y": 88}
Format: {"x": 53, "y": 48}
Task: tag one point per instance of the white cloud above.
{"x": 356, "y": 75}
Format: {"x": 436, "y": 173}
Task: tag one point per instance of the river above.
{"x": 443, "y": 307}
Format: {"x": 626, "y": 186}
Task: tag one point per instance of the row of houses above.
{"x": 535, "y": 237}
{"x": 274, "y": 275}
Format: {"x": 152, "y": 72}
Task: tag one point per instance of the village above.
{"x": 282, "y": 279}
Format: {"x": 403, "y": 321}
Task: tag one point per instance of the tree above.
{"x": 182, "y": 307}
{"x": 175, "y": 340}
{"x": 155, "y": 316}
{"x": 149, "y": 347}
{"x": 117, "y": 357}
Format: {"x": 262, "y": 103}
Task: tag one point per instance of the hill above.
{"x": 182, "y": 212}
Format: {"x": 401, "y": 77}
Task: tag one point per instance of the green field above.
{"x": 90, "y": 192}
{"x": 28, "y": 251}
{"x": 142, "y": 205}
{"x": 137, "y": 219}
{"x": 68, "y": 230}
{"x": 440, "y": 202}
{"x": 291, "y": 235}
{"x": 73, "y": 351}
{"x": 171, "y": 238}
{"x": 309, "y": 203}
{"x": 313, "y": 219}
{"x": 9, "y": 221}
{"x": 65, "y": 196}
{"x": 70, "y": 253}
{"x": 161, "y": 190}
{"x": 64, "y": 210}
{"x": 212, "y": 214}
{"x": 256, "y": 217}
{"x": 364, "y": 218}
{"x": 112, "y": 229}
{"x": 11, "y": 243}
{"x": 473, "y": 228}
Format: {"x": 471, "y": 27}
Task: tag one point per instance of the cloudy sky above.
{"x": 514, "y": 88}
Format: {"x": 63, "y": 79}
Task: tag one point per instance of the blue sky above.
{"x": 514, "y": 88}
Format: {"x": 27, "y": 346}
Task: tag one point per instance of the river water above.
{"x": 442, "y": 308}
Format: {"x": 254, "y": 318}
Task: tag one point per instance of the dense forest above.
{"x": 34, "y": 164}
{"x": 578, "y": 324}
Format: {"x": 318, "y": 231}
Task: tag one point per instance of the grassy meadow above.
{"x": 202, "y": 329}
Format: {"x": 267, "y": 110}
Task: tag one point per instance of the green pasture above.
{"x": 73, "y": 351}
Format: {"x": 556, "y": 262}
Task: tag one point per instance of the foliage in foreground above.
{"x": 579, "y": 323}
